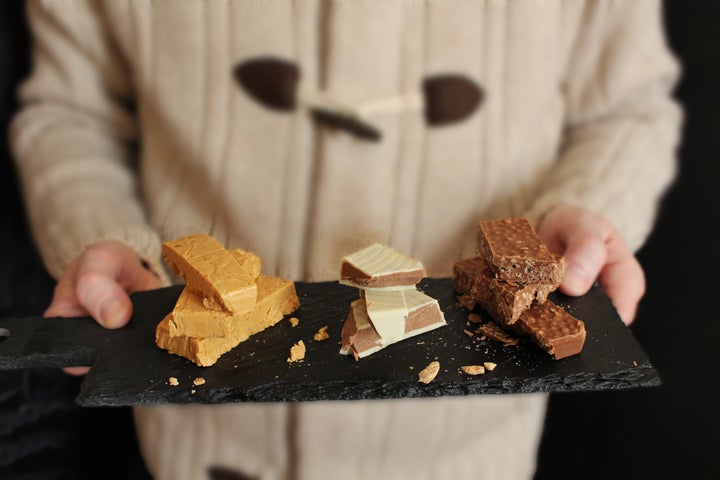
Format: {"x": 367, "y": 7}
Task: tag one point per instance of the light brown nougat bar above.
{"x": 515, "y": 252}
{"x": 211, "y": 272}
{"x": 191, "y": 319}
{"x": 276, "y": 298}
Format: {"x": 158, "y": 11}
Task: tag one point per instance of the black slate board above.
{"x": 129, "y": 369}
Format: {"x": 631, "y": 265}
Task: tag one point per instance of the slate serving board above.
{"x": 129, "y": 369}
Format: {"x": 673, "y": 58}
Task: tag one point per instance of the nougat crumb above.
{"x": 473, "y": 369}
{"x": 429, "y": 373}
{"x": 297, "y": 352}
{"x": 321, "y": 334}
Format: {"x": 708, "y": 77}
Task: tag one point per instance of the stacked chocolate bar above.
{"x": 511, "y": 278}
{"x": 390, "y": 307}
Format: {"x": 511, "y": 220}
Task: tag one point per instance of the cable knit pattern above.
{"x": 133, "y": 128}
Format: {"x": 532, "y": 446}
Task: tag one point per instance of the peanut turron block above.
{"x": 276, "y": 298}
{"x": 211, "y": 272}
{"x": 190, "y": 318}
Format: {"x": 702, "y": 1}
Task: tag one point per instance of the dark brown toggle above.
{"x": 223, "y": 473}
{"x": 272, "y": 82}
{"x": 450, "y": 98}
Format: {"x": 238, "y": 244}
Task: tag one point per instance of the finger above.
{"x": 146, "y": 280}
{"x": 76, "y": 371}
{"x": 623, "y": 279}
{"x": 585, "y": 256}
{"x": 100, "y": 293}
{"x": 64, "y": 302}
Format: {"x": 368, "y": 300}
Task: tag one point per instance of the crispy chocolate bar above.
{"x": 552, "y": 329}
{"x": 505, "y": 302}
{"x": 515, "y": 252}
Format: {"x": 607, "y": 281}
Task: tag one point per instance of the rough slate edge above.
{"x": 309, "y": 389}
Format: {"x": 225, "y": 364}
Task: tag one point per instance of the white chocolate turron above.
{"x": 378, "y": 266}
{"x": 361, "y": 337}
{"x": 387, "y": 311}
{"x": 390, "y": 308}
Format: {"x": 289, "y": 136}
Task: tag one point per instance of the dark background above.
{"x": 665, "y": 432}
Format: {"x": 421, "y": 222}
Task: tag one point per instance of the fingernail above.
{"x": 112, "y": 312}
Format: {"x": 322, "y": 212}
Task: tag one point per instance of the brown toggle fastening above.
{"x": 273, "y": 82}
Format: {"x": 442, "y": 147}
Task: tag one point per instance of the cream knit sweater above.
{"x": 133, "y": 127}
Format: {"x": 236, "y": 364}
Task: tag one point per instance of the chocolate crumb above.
{"x": 475, "y": 318}
{"x": 495, "y": 332}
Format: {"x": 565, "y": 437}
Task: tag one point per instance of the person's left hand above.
{"x": 594, "y": 250}
{"x": 98, "y": 283}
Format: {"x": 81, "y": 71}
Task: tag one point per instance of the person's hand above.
{"x": 97, "y": 284}
{"x": 594, "y": 249}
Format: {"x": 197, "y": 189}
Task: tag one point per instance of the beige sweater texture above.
{"x": 132, "y": 127}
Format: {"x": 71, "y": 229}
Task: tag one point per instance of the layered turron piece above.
{"x": 213, "y": 313}
{"x": 390, "y": 308}
{"x": 511, "y": 278}
{"x": 378, "y": 266}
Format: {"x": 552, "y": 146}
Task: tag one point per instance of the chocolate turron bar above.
{"x": 511, "y": 278}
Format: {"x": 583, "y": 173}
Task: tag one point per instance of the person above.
{"x": 303, "y": 131}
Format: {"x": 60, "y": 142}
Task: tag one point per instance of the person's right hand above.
{"x": 98, "y": 284}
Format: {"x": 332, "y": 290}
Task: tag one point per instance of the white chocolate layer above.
{"x": 387, "y": 311}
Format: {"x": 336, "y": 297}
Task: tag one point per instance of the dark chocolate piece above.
{"x": 515, "y": 252}
{"x": 493, "y": 331}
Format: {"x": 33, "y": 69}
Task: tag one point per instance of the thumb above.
{"x": 103, "y": 297}
{"x": 585, "y": 255}
{"x": 99, "y": 291}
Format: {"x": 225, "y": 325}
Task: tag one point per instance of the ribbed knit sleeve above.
{"x": 623, "y": 124}
{"x": 74, "y": 139}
